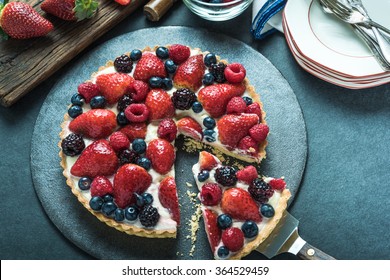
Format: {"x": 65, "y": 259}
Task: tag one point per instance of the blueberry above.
{"x": 197, "y": 107}
{"x": 162, "y": 52}
{"x": 167, "y": 84}
{"x": 223, "y": 252}
{"x": 209, "y": 135}
{"x": 155, "y": 82}
{"x": 119, "y": 215}
{"x": 203, "y": 175}
{"x": 96, "y": 203}
{"x": 121, "y": 119}
{"x": 267, "y": 210}
{"x": 131, "y": 213}
{"x": 77, "y": 99}
{"x": 74, "y": 111}
{"x": 98, "y": 102}
{"x": 135, "y": 55}
{"x": 139, "y": 145}
{"x": 148, "y": 198}
{"x": 139, "y": 200}
{"x": 224, "y": 221}
{"x": 85, "y": 183}
{"x": 209, "y": 122}
{"x": 108, "y": 198}
{"x": 247, "y": 100}
{"x": 144, "y": 162}
{"x": 210, "y": 58}
{"x": 208, "y": 79}
{"x": 109, "y": 208}
{"x": 250, "y": 229}
{"x": 170, "y": 66}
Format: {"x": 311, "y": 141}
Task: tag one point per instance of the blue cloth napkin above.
{"x": 267, "y": 17}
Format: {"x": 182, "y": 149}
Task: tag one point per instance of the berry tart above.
{"x": 240, "y": 209}
{"x": 117, "y": 139}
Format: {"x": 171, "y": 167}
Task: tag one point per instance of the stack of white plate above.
{"x": 329, "y": 49}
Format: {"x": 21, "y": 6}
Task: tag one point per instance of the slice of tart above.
{"x": 240, "y": 208}
{"x": 118, "y": 135}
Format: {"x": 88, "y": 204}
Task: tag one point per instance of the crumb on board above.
{"x": 189, "y": 184}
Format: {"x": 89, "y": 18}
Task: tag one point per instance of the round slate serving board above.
{"x": 286, "y": 152}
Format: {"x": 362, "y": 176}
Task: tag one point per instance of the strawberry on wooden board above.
{"x": 149, "y": 66}
{"x": 123, "y": 2}
{"x": 232, "y": 128}
{"x": 129, "y": 179}
{"x": 215, "y": 98}
{"x": 161, "y": 154}
{"x": 99, "y": 158}
{"x": 190, "y": 73}
{"x": 190, "y": 127}
{"x": 72, "y": 10}
{"x": 159, "y": 104}
{"x": 207, "y": 161}
{"x": 95, "y": 123}
{"x": 212, "y": 230}
{"x": 167, "y": 194}
{"x": 114, "y": 85}
{"x": 20, "y": 21}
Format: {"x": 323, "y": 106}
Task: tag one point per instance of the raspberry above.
{"x": 123, "y": 102}
{"x": 254, "y": 108}
{"x": 233, "y": 239}
{"x": 183, "y": 99}
{"x": 235, "y": 73}
{"x": 149, "y": 216}
{"x": 138, "y": 90}
{"x": 210, "y": 194}
{"x": 72, "y": 145}
{"x": 277, "y": 184}
{"x": 226, "y": 176}
{"x": 218, "y": 69}
{"x": 137, "y": 113}
{"x": 119, "y": 141}
{"x": 101, "y": 186}
{"x": 259, "y": 132}
{"x": 123, "y": 64}
{"x": 236, "y": 105}
{"x": 127, "y": 156}
{"x": 249, "y": 145}
{"x": 179, "y": 53}
{"x": 248, "y": 174}
{"x": 167, "y": 130}
{"x": 260, "y": 190}
{"x": 88, "y": 90}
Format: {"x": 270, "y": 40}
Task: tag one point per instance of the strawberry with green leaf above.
{"x": 71, "y": 10}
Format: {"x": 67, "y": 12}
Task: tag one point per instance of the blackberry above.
{"x": 149, "y": 216}
{"x": 123, "y": 64}
{"x": 260, "y": 190}
{"x": 226, "y": 176}
{"x": 127, "y": 156}
{"x": 183, "y": 99}
{"x": 72, "y": 145}
{"x": 218, "y": 69}
{"x": 124, "y": 101}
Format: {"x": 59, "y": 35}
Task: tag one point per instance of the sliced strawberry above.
{"x": 159, "y": 104}
{"x": 248, "y": 174}
{"x": 167, "y": 194}
{"x": 88, "y": 90}
{"x": 95, "y": 124}
{"x": 207, "y": 161}
{"x": 215, "y": 98}
{"x": 161, "y": 154}
{"x": 239, "y": 204}
{"x": 130, "y": 179}
{"x": 232, "y": 128}
{"x": 101, "y": 186}
{"x": 119, "y": 141}
{"x": 278, "y": 184}
{"x": 190, "y": 127}
{"x": 179, "y": 53}
{"x": 134, "y": 130}
{"x": 149, "y": 66}
{"x": 190, "y": 73}
{"x": 114, "y": 85}
{"x": 99, "y": 158}
{"x": 212, "y": 230}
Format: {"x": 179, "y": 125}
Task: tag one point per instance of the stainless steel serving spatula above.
{"x": 285, "y": 238}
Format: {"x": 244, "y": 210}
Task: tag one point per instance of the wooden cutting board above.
{"x": 26, "y": 63}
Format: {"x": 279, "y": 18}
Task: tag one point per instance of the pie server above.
{"x": 285, "y": 238}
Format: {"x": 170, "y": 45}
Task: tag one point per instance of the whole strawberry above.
{"x": 162, "y": 155}
{"x": 72, "y": 10}
{"x": 20, "y": 21}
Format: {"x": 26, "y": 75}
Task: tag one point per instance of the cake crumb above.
{"x": 189, "y": 184}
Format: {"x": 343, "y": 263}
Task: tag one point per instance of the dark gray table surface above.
{"x": 343, "y": 204}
